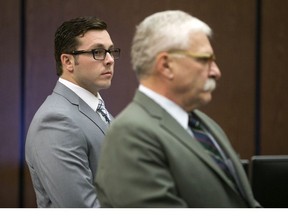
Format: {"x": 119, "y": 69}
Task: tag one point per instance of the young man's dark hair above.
{"x": 66, "y": 36}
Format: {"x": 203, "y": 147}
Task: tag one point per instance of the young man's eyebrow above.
{"x": 95, "y": 46}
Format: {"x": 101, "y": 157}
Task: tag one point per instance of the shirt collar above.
{"x": 180, "y": 115}
{"x": 84, "y": 94}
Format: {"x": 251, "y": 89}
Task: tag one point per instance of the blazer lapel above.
{"x": 170, "y": 124}
{"x": 82, "y": 106}
{"x": 227, "y": 148}
{"x": 167, "y": 122}
{"x": 92, "y": 115}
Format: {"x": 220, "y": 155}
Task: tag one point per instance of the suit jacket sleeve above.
{"x": 61, "y": 161}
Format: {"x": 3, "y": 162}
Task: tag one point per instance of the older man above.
{"x": 161, "y": 151}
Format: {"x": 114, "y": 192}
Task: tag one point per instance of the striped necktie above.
{"x": 204, "y": 138}
{"x": 103, "y": 112}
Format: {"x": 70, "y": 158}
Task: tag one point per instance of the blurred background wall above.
{"x": 249, "y": 41}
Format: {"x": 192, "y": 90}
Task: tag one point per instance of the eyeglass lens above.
{"x": 100, "y": 54}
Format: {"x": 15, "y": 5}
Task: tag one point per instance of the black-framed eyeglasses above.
{"x": 99, "y": 53}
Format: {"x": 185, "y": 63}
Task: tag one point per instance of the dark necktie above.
{"x": 202, "y": 135}
{"x": 102, "y": 111}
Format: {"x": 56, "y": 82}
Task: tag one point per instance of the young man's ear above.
{"x": 163, "y": 65}
{"x": 67, "y": 62}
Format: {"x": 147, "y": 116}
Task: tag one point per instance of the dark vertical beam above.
{"x": 258, "y": 51}
{"x": 21, "y": 182}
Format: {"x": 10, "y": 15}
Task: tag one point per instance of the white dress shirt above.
{"x": 84, "y": 94}
{"x": 180, "y": 115}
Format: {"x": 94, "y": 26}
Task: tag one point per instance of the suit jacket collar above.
{"x": 82, "y": 106}
{"x": 168, "y": 123}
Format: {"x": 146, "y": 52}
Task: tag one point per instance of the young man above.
{"x": 64, "y": 138}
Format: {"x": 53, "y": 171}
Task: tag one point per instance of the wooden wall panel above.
{"x": 274, "y": 78}
{"x": 9, "y": 108}
{"x": 234, "y": 43}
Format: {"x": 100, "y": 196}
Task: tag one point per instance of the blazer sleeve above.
{"x": 61, "y": 161}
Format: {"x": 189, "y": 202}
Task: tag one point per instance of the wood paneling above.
{"x": 274, "y": 78}
{"x": 234, "y": 43}
{"x": 9, "y": 108}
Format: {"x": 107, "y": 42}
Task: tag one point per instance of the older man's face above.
{"x": 195, "y": 77}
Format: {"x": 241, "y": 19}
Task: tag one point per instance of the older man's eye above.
{"x": 204, "y": 60}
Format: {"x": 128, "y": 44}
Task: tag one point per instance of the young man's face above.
{"x": 91, "y": 74}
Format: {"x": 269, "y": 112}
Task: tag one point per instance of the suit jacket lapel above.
{"x": 86, "y": 110}
{"x": 227, "y": 148}
{"x": 168, "y": 123}
{"x": 82, "y": 106}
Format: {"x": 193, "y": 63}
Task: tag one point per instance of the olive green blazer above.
{"x": 149, "y": 160}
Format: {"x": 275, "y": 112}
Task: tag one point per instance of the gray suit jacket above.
{"x": 149, "y": 160}
{"x": 62, "y": 150}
